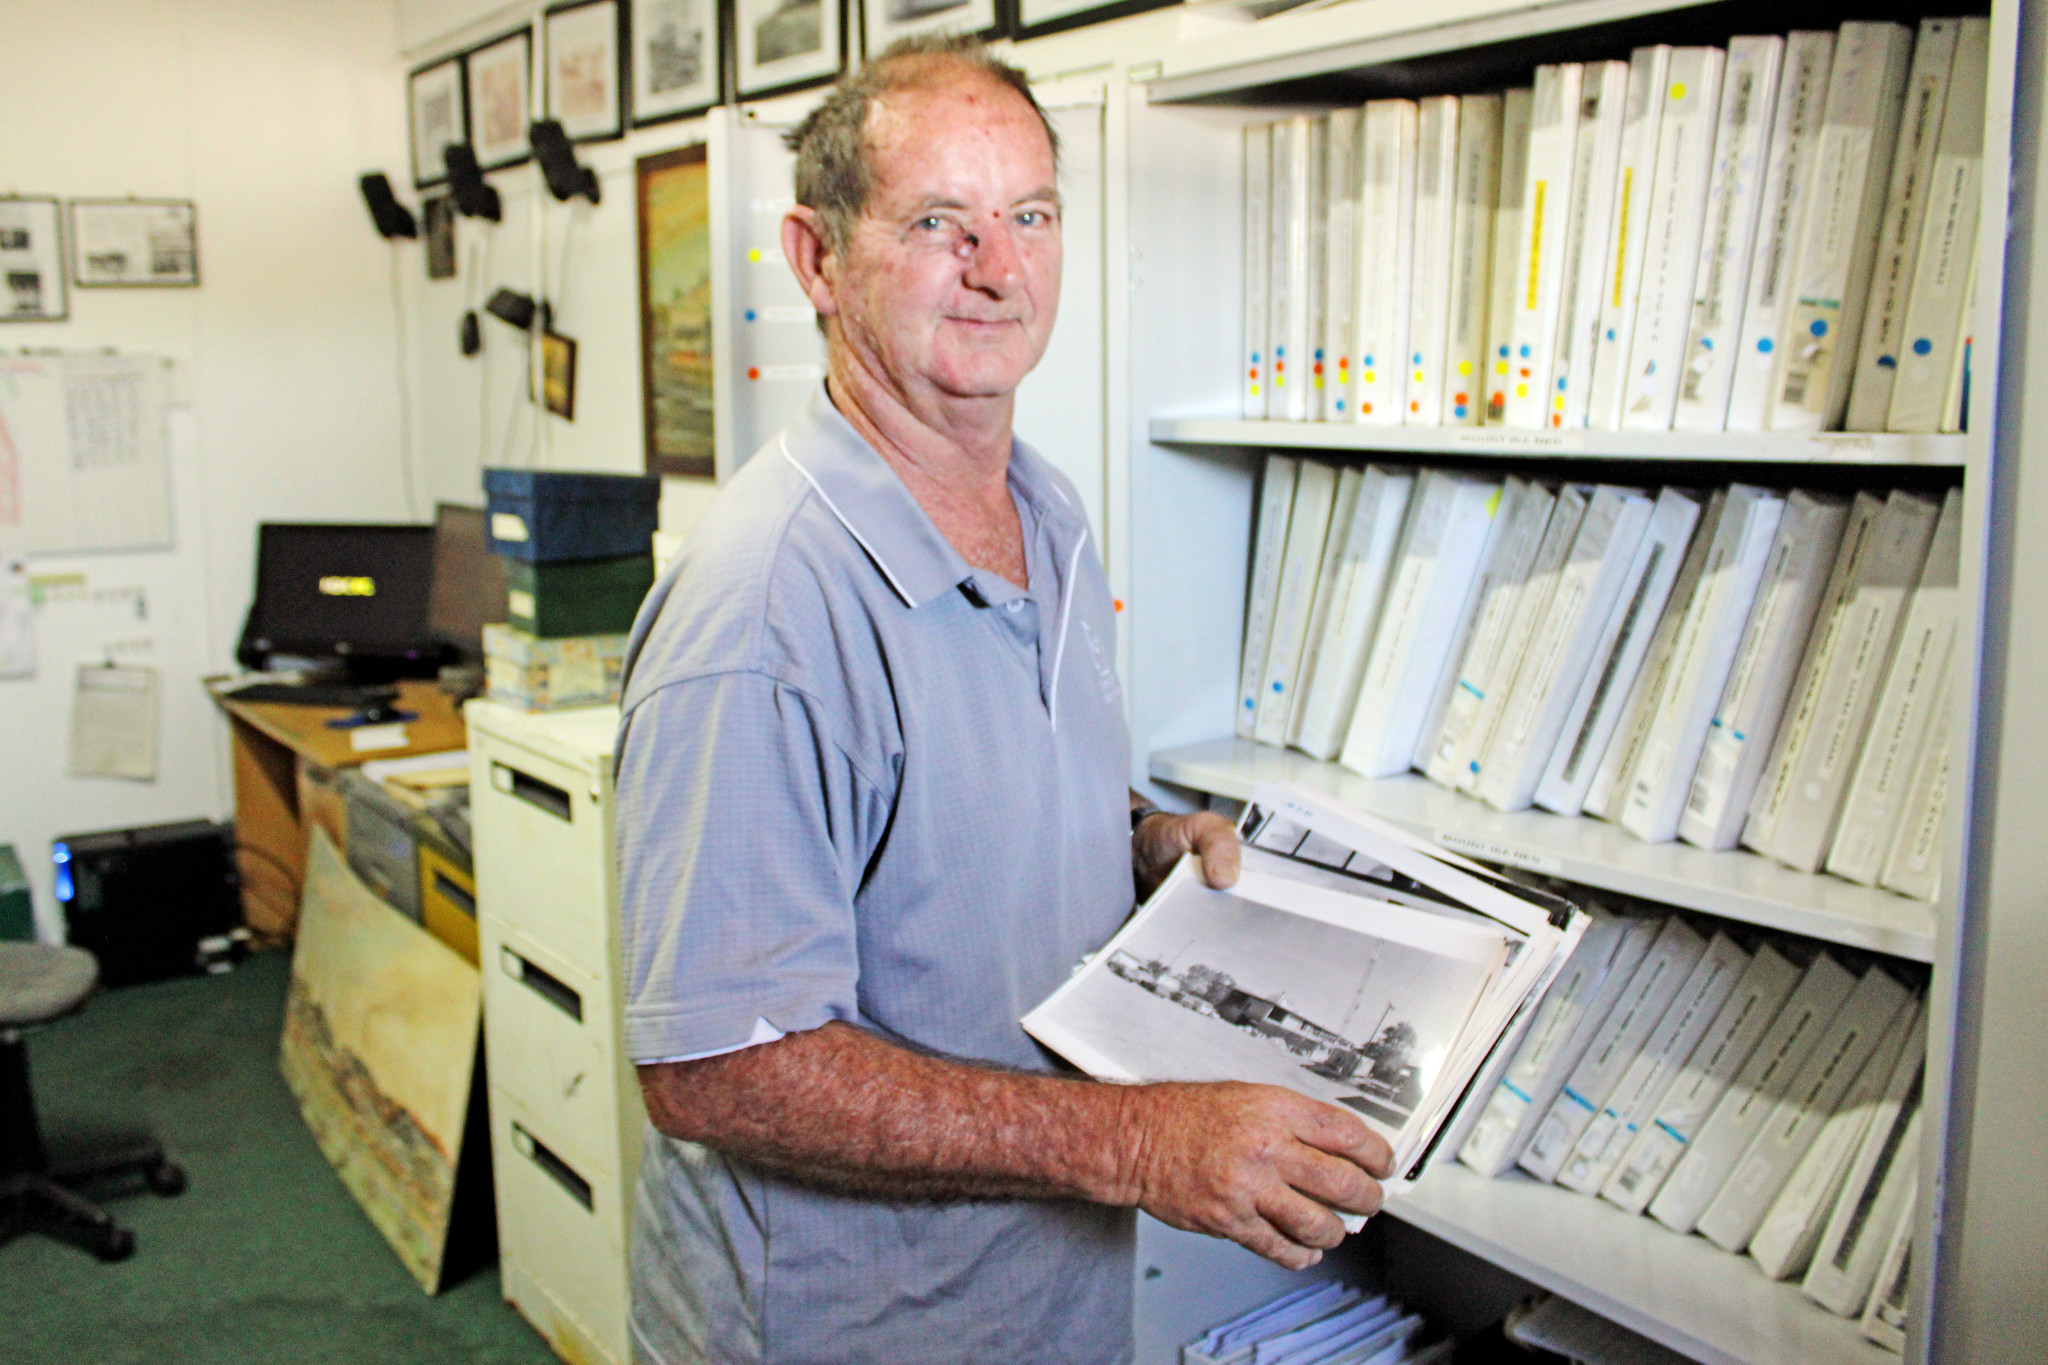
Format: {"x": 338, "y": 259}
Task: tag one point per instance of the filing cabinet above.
{"x": 566, "y": 1116}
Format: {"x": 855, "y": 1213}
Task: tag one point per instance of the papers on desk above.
{"x": 113, "y": 722}
{"x": 1351, "y": 962}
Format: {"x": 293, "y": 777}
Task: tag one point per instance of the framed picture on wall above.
{"x": 130, "y": 243}
{"x": 1036, "y": 18}
{"x": 675, "y": 63}
{"x": 500, "y": 76}
{"x": 439, "y": 116}
{"x": 884, "y": 21}
{"x": 674, "y": 199}
{"x": 586, "y": 70}
{"x": 558, "y": 375}
{"x": 32, "y": 261}
{"x": 788, "y": 43}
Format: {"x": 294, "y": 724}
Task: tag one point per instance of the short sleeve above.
{"x": 743, "y": 831}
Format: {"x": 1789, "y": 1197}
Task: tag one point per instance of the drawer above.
{"x": 448, "y": 901}
{"x": 552, "y": 1044}
{"x": 543, "y": 854}
{"x": 561, "y": 1225}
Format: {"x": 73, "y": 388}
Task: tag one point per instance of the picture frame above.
{"x": 784, "y": 45}
{"x": 1038, "y": 18}
{"x": 438, "y": 115}
{"x": 499, "y": 78}
{"x": 678, "y": 59}
{"x": 134, "y": 244}
{"x": 438, "y": 236}
{"x": 672, "y": 196}
{"x": 33, "y": 284}
{"x": 586, "y": 69}
{"x": 558, "y": 375}
{"x": 884, "y": 21}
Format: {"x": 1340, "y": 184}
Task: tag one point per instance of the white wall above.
{"x": 263, "y": 112}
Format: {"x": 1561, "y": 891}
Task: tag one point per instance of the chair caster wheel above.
{"x": 114, "y": 1244}
{"x": 166, "y": 1180}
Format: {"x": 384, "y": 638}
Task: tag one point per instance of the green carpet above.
{"x": 265, "y": 1257}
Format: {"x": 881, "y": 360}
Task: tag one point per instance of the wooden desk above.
{"x": 286, "y": 764}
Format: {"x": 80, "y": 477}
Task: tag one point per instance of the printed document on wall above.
{"x": 113, "y": 722}
{"x": 83, "y": 452}
{"x": 17, "y": 622}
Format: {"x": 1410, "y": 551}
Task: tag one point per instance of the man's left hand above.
{"x": 1164, "y": 839}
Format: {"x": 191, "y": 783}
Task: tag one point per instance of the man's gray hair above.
{"x": 833, "y": 174}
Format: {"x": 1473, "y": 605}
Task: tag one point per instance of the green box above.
{"x": 17, "y": 910}
{"x": 576, "y": 597}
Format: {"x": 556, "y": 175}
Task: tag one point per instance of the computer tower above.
{"x": 152, "y": 903}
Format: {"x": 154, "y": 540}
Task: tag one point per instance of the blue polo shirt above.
{"x": 860, "y": 780}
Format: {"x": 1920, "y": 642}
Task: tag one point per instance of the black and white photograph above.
{"x": 134, "y": 243}
{"x": 585, "y": 66}
{"x": 500, "y": 111}
{"x": 787, "y": 43}
{"x": 439, "y": 117}
{"x": 32, "y": 261}
{"x": 884, "y": 21}
{"x": 1276, "y": 982}
{"x": 675, "y": 59}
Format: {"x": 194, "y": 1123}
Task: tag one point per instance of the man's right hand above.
{"x": 1260, "y": 1165}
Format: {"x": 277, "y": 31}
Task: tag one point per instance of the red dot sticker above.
{"x": 753, "y": 373}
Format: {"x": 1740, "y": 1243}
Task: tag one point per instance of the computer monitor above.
{"x": 356, "y": 595}
{"x": 469, "y": 581}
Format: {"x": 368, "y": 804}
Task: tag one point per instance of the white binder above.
{"x": 1511, "y": 546}
{"x": 1384, "y": 260}
{"x": 1429, "y": 303}
{"x": 1463, "y": 399}
{"x": 1276, "y": 500}
{"x": 1308, "y": 525}
{"x": 1649, "y": 70}
{"x": 1288, "y": 393}
{"x": 1340, "y": 242}
{"x": 1595, "y": 169}
{"x": 1343, "y": 509}
{"x": 1517, "y": 107}
{"x": 1258, "y": 269}
{"x": 1539, "y": 259}
{"x": 1376, "y": 533}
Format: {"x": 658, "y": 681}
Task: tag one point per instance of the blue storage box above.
{"x": 545, "y": 517}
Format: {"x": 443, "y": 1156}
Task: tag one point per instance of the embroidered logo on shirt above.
{"x": 1105, "y": 675}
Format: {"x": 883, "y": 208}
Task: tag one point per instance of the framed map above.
{"x": 675, "y": 310}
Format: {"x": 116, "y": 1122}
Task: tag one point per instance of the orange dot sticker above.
{"x": 1365, "y": 407}
{"x": 1414, "y": 406}
{"x": 1117, "y": 602}
{"x": 753, "y": 373}
{"x": 1460, "y": 399}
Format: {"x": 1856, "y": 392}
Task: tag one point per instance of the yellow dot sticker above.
{"x": 1367, "y": 376}
{"x": 754, "y": 255}
{"x": 1464, "y": 367}
{"x": 1678, "y": 90}
{"x": 1521, "y": 390}
{"x": 1500, "y": 367}
{"x": 1418, "y": 376}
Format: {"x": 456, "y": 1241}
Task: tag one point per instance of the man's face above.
{"x": 952, "y": 279}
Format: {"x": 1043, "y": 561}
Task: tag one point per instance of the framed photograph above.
{"x": 1036, "y": 18}
{"x": 32, "y": 261}
{"x": 440, "y": 116}
{"x": 500, "y": 76}
{"x": 884, "y": 21}
{"x": 787, "y": 43}
{"x": 675, "y": 65}
{"x": 129, "y": 243}
{"x": 558, "y": 375}
{"x": 439, "y": 213}
{"x": 674, "y": 199}
{"x": 586, "y": 70}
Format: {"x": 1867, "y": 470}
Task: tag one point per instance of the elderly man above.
{"x": 873, "y": 809}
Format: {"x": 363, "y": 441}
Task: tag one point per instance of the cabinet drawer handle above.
{"x": 544, "y": 984}
{"x": 530, "y": 789}
{"x": 558, "y": 1170}
{"x": 445, "y": 887}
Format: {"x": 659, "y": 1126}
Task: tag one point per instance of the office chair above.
{"x": 40, "y": 982}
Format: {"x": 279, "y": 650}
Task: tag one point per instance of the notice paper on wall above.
{"x": 83, "y": 462}
{"x": 17, "y": 622}
{"x": 114, "y": 721}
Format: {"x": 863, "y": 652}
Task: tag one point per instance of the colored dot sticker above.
{"x": 1418, "y": 376}
{"x": 1367, "y": 376}
{"x": 1319, "y": 355}
{"x": 1819, "y": 327}
{"x": 1319, "y": 381}
{"x": 1317, "y": 368}
{"x": 1279, "y": 381}
{"x": 1458, "y": 411}
{"x": 1464, "y": 367}
{"x": 1461, "y": 399}
{"x": 1418, "y": 359}
{"x": 1366, "y": 360}
{"x": 1557, "y": 403}
{"x": 1414, "y": 406}
{"x": 1365, "y": 407}
{"x": 1521, "y": 390}
{"x": 1525, "y": 353}
{"x": 1279, "y": 686}
{"x": 753, "y": 373}
{"x": 1279, "y": 351}
{"x": 1500, "y": 367}
{"x": 1922, "y": 346}
{"x": 1678, "y": 90}
{"x": 1707, "y": 342}
{"x": 1503, "y": 352}
{"x": 1610, "y": 334}
{"x": 754, "y": 254}
{"x": 1766, "y": 345}
{"x": 1255, "y": 390}
{"x": 1560, "y": 383}
{"x": 1887, "y": 362}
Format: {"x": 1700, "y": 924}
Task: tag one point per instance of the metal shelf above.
{"x": 1767, "y": 447}
{"x": 1736, "y": 885}
{"x": 1681, "y": 1291}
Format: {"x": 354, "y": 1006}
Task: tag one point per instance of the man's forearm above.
{"x": 839, "y": 1108}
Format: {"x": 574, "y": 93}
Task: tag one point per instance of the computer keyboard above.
{"x": 355, "y": 696}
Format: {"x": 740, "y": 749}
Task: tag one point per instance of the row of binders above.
{"x": 1768, "y": 1100}
{"x": 1775, "y": 236}
{"x": 1322, "y": 1324}
{"x": 1722, "y": 666}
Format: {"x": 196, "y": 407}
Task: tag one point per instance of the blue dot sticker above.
{"x": 1766, "y": 345}
{"x": 1887, "y": 362}
{"x": 750, "y": 315}
{"x": 1503, "y": 353}
{"x": 1279, "y": 686}
{"x": 1707, "y": 343}
{"x": 1251, "y": 704}
{"x": 1458, "y": 411}
{"x": 1368, "y": 360}
{"x": 1922, "y": 346}
{"x": 1279, "y": 353}
{"x": 1525, "y": 353}
{"x": 1610, "y": 334}
{"x": 1819, "y": 327}
{"x": 1319, "y": 353}
{"x": 1418, "y": 357}
{"x": 1560, "y": 383}
{"x": 1340, "y": 405}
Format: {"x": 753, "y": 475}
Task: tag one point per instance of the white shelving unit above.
{"x": 1778, "y": 448}
{"x": 1180, "y": 523}
{"x": 1736, "y": 885}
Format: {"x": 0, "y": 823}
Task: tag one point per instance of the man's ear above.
{"x": 805, "y": 248}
